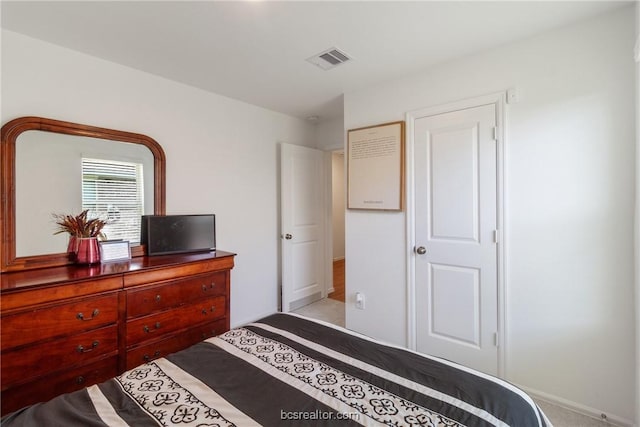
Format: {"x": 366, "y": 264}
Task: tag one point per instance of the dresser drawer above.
{"x": 13, "y": 299}
{"x": 47, "y": 387}
{"x": 175, "y": 293}
{"x": 159, "y": 324}
{"x": 63, "y": 319}
{"x": 158, "y": 270}
{"x": 39, "y": 359}
{"x": 181, "y": 340}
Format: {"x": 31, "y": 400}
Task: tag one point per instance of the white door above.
{"x": 456, "y": 261}
{"x": 302, "y": 225}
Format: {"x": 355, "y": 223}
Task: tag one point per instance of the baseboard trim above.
{"x": 577, "y": 407}
{"x": 341, "y": 258}
{"x": 294, "y": 305}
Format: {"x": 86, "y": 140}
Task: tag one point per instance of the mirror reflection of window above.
{"x": 113, "y": 191}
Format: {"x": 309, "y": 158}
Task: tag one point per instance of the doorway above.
{"x": 338, "y": 212}
{"x": 331, "y": 308}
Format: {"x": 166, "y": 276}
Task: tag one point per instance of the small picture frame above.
{"x": 114, "y": 250}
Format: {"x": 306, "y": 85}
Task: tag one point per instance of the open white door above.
{"x": 456, "y": 250}
{"x": 302, "y": 225}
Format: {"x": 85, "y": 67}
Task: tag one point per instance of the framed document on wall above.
{"x": 375, "y": 167}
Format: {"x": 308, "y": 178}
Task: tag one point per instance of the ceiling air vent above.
{"x": 329, "y": 58}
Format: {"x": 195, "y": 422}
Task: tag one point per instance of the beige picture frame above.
{"x": 375, "y": 167}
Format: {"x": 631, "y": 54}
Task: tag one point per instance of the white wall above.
{"x": 569, "y": 203}
{"x": 221, "y": 153}
{"x": 330, "y": 134}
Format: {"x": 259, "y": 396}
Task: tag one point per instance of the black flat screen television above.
{"x": 172, "y": 234}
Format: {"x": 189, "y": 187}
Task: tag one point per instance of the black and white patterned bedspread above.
{"x": 287, "y": 370}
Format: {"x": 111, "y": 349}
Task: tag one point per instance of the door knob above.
{"x": 421, "y": 250}
{"x": 288, "y": 236}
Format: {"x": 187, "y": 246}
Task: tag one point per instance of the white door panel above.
{"x": 455, "y": 217}
{"x": 305, "y": 275}
{"x": 454, "y": 184}
{"x": 455, "y": 300}
{"x": 302, "y": 225}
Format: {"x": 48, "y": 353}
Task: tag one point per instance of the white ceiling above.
{"x": 256, "y": 51}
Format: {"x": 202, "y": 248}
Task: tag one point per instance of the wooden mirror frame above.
{"x": 10, "y": 132}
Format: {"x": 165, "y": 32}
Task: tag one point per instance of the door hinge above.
{"x": 495, "y": 133}
{"x": 496, "y": 236}
{"x": 496, "y": 339}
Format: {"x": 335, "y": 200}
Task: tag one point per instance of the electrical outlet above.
{"x": 359, "y": 301}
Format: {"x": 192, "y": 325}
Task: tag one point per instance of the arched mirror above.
{"x": 54, "y": 167}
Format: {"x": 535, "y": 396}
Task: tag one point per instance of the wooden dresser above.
{"x": 64, "y": 328}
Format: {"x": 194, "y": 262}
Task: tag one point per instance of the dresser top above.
{"x": 23, "y": 280}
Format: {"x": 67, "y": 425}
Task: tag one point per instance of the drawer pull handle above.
{"x": 147, "y": 358}
{"x": 80, "y": 316}
{"x": 156, "y": 326}
{"x": 204, "y": 310}
{"x": 80, "y": 380}
{"x": 211, "y": 286}
{"x": 81, "y": 349}
{"x": 158, "y": 298}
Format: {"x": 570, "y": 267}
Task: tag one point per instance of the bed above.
{"x": 290, "y": 370}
